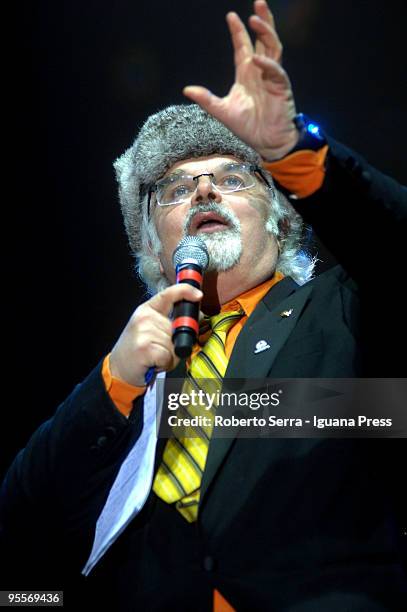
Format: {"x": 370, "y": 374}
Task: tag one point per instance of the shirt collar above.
{"x": 249, "y": 299}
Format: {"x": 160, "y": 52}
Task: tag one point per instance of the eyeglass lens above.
{"x": 226, "y": 178}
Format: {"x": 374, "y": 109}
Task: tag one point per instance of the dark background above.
{"x": 80, "y": 80}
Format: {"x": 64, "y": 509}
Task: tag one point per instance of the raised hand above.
{"x": 259, "y": 107}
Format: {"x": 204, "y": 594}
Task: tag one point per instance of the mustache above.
{"x": 230, "y": 218}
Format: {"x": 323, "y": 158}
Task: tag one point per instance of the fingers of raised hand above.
{"x": 259, "y": 47}
{"x": 267, "y": 42}
{"x": 242, "y": 44}
{"x": 202, "y": 96}
{"x": 261, "y": 9}
{"x": 272, "y": 72}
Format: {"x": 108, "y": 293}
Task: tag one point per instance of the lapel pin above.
{"x": 286, "y": 313}
{"x": 262, "y": 345}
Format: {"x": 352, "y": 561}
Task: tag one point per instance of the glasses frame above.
{"x": 253, "y": 168}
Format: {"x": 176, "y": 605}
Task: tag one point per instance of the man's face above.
{"x": 231, "y": 224}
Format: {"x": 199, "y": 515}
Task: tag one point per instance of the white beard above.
{"x": 225, "y": 246}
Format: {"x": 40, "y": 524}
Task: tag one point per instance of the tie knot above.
{"x": 224, "y": 320}
{"x": 220, "y": 322}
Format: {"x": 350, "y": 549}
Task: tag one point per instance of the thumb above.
{"x": 202, "y": 96}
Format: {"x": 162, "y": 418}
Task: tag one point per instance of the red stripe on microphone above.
{"x": 189, "y": 274}
{"x": 185, "y": 322}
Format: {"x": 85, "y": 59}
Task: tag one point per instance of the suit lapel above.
{"x": 267, "y": 323}
{"x": 270, "y": 325}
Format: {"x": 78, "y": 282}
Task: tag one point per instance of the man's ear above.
{"x": 161, "y": 268}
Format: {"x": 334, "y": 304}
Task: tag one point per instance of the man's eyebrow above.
{"x": 175, "y": 173}
{"x": 224, "y": 166}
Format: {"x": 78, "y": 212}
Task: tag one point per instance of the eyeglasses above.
{"x": 227, "y": 178}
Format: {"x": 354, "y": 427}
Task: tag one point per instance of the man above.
{"x": 283, "y": 524}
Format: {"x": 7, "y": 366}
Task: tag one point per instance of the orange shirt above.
{"x": 302, "y": 172}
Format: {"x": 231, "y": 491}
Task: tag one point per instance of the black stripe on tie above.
{"x": 186, "y": 451}
{"x": 222, "y": 321}
{"x": 215, "y": 386}
{"x": 174, "y": 478}
{"x": 219, "y": 339}
{"x": 211, "y": 365}
{"x": 195, "y": 383}
{"x": 196, "y": 427}
{"x": 182, "y": 504}
{"x": 192, "y": 379}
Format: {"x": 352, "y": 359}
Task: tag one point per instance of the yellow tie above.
{"x": 178, "y": 479}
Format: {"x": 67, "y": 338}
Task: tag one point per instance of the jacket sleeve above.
{"x": 359, "y": 213}
{"x": 61, "y": 480}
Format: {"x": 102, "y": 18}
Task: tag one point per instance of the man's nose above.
{"x": 205, "y": 191}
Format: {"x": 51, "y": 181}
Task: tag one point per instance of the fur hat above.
{"x": 169, "y": 136}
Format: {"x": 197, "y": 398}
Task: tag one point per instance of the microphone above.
{"x": 190, "y": 259}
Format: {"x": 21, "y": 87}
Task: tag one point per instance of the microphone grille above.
{"x": 191, "y": 249}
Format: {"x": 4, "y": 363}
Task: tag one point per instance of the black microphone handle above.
{"x": 184, "y": 337}
{"x": 186, "y": 314}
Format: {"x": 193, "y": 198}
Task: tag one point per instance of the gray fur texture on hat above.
{"x": 169, "y": 136}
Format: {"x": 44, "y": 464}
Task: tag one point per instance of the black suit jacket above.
{"x": 285, "y": 524}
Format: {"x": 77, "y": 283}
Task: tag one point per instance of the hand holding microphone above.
{"x": 150, "y": 342}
